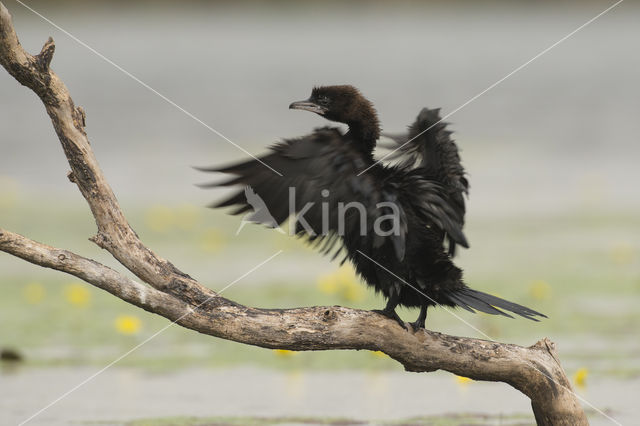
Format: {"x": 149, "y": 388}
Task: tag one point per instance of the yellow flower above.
{"x": 77, "y": 294}
{"x": 283, "y": 353}
{"x": 328, "y": 284}
{"x": 461, "y": 380}
{"x": 540, "y": 290}
{"x": 34, "y": 293}
{"x": 352, "y": 290}
{"x": 160, "y": 218}
{"x": 580, "y": 377}
{"x": 343, "y": 282}
{"x": 128, "y": 324}
{"x": 212, "y": 240}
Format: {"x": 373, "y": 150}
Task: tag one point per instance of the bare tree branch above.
{"x": 535, "y": 371}
{"x": 114, "y": 233}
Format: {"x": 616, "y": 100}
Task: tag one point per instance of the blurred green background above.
{"x": 553, "y": 212}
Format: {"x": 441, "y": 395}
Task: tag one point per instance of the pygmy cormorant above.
{"x": 398, "y": 223}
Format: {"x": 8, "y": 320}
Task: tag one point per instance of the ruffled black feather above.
{"x": 428, "y": 146}
{"x": 329, "y": 169}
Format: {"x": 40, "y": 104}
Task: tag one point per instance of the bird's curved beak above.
{"x": 307, "y": 105}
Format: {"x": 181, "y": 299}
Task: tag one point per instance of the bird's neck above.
{"x": 365, "y": 134}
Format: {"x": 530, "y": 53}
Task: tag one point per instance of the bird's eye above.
{"x": 324, "y": 100}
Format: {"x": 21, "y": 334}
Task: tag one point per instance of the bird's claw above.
{"x": 392, "y": 315}
{"x": 417, "y": 326}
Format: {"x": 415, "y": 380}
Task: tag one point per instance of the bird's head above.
{"x": 344, "y": 104}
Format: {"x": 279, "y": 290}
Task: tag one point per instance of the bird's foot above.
{"x": 417, "y": 325}
{"x": 391, "y": 314}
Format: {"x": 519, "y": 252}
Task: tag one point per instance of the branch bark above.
{"x": 534, "y": 370}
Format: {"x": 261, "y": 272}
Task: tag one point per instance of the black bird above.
{"x": 390, "y": 220}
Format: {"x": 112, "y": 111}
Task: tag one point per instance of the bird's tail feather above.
{"x": 471, "y": 300}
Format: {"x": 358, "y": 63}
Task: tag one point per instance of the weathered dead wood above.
{"x": 534, "y": 370}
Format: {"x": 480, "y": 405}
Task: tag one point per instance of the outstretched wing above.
{"x": 321, "y": 188}
{"x": 429, "y": 147}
